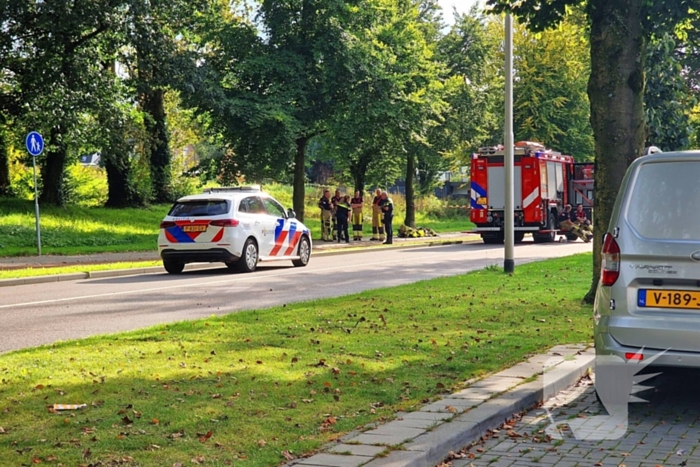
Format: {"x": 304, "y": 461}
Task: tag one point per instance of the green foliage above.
{"x": 550, "y": 98}
{"x": 86, "y": 186}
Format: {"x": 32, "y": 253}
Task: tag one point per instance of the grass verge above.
{"x": 75, "y": 230}
{"x": 49, "y": 271}
{"x": 253, "y": 385}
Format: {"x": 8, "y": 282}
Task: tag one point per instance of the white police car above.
{"x": 238, "y": 226}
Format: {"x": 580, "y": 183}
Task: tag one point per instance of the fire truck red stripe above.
{"x": 293, "y": 243}
{"x": 280, "y": 242}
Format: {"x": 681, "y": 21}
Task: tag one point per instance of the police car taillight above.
{"x": 610, "y": 268}
{"x": 167, "y": 224}
{"x": 224, "y": 223}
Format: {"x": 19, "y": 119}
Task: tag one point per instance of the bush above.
{"x": 86, "y": 186}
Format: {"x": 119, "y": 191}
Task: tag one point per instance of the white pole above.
{"x": 509, "y": 262}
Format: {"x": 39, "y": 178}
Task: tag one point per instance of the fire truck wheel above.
{"x": 493, "y": 239}
{"x": 518, "y": 236}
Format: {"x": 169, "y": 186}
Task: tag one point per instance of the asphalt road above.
{"x": 38, "y": 314}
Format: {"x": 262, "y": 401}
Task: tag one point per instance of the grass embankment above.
{"x": 74, "y": 230}
{"x": 84, "y": 268}
{"x": 251, "y": 385}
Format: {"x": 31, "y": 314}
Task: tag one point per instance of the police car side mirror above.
{"x": 291, "y": 214}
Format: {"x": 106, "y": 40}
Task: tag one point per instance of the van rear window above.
{"x": 199, "y": 208}
{"x": 664, "y": 201}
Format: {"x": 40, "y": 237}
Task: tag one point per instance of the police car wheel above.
{"x": 173, "y": 267}
{"x": 249, "y": 259}
{"x": 304, "y": 253}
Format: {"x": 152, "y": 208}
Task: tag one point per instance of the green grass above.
{"x": 33, "y": 272}
{"x": 245, "y": 387}
{"x": 76, "y": 230}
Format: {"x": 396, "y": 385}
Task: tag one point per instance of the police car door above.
{"x": 286, "y": 235}
{"x": 259, "y": 224}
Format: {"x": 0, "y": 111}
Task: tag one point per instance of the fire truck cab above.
{"x": 544, "y": 182}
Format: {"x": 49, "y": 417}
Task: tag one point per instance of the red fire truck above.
{"x": 544, "y": 182}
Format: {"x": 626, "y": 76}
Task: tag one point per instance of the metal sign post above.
{"x": 35, "y": 146}
{"x": 509, "y": 261}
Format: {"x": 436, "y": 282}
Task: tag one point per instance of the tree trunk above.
{"x": 159, "y": 148}
{"x": 53, "y": 170}
{"x": 120, "y": 188}
{"x": 410, "y": 220}
{"x": 358, "y": 169}
{"x": 4, "y": 164}
{"x": 300, "y": 177}
{"x": 616, "y": 92}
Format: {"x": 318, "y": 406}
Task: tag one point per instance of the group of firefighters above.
{"x": 339, "y": 210}
{"x": 576, "y": 222}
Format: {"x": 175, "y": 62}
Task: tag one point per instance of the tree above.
{"x": 550, "y": 101}
{"x": 272, "y": 92}
{"x": 618, "y": 38}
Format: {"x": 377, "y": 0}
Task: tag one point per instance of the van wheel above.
{"x": 304, "y": 253}
{"x": 248, "y": 261}
{"x": 173, "y": 267}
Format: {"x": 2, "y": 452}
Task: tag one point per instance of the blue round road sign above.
{"x": 35, "y": 143}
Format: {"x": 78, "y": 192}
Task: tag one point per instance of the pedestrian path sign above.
{"x": 35, "y": 143}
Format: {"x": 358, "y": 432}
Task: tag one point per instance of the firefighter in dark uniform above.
{"x": 326, "y": 213}
{"x": 387, "y": 207}
{"x": 335, "y": 200}
{"x": 342, "y": 213}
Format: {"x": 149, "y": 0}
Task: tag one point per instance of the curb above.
{"x": 425, "y": 438}
{"x": 198, "y": 266}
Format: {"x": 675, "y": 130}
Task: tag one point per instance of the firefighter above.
{"x": 326, "y": 214}
{"x": 342, "y": 214}
{"x": 387, "y": 207}
{"x": 334, "y": 201}
{"x": 377, "y": 228}
{"x": 567, "y": 225}
{"x": 356, "y": 204}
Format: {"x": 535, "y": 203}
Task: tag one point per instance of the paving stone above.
{"x": 421, "y": 415}
{"x": 422, "y": 423}
{"x": 521, "y": 370}
{"x": 357, "y": 449}
{"x": 334, "y": 460}
{"x": 436, "y": 444}
{"x": 497, "y": 384}
{"x": 383, "y": 440}
{"x": 476, "y": 393}
{"x": 390, "y": 429}
{"x": 398, "y": 459}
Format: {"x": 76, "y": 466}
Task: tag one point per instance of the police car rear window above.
{"x": 199, "y": 208}
{"x": 664, "y": 201}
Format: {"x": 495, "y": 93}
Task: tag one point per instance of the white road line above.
{"x": 255, "y": 277}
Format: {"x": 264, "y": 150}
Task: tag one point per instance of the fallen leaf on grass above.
{"x": 288, "y": 455}
{"x": 205, "y": 437}
{"x": 262, "y": 442}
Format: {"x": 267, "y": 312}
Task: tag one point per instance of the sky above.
{"x": 463, "y": 6}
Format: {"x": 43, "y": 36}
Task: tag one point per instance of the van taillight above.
{"x": 224, "y": 223}
{"x": 167, "y": 224}
{"x": 610, "y": 268}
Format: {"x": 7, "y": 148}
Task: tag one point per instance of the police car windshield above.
{"x": 199, "y": 208}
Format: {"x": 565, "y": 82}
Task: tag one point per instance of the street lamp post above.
{"x": 509, "y": 261}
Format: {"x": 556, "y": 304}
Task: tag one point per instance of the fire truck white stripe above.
{"x": 531, "y": 198}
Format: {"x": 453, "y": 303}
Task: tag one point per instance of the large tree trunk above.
{"x": 358, "y": 169}
{"x": 53, "y": 170}
{"x": 300, "y": 177}
{"x": 159, "y": 149}
{"x": 410, "y": 220}
{"x": 4, "y": 164}
{"x": 616, "y": 92}
{"x": 120, "y": 189}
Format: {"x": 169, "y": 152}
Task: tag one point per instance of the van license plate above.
{"x": 194, "y": 228}
{"x": 669, "y": 299}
